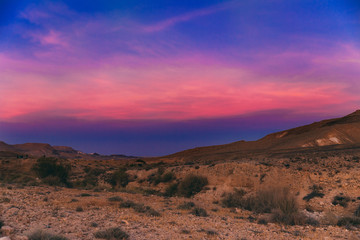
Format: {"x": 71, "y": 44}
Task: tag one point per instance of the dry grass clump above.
{"x": 186, "y": 205}
{"x": 52, "y": 172}
{"x": 316, "y": 192}
{"x": 200, "y": 212}
{"x": 160, "y": 176}
{"x": 275, "y": 200}
{"x": 348, "y": 222}
{"x": 119, "y": 178}
{"x": 341, "y": 200}
{"x": 140, "y": 208}
{"x": 112, "y": 234}
{"x": 189, "y": 186}
{"x": 115, "y": 199}
{"x": 42, "y": 235}
{"x": 234, "y": 199}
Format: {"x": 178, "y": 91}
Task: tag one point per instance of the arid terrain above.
{"x": 302, "y": 183}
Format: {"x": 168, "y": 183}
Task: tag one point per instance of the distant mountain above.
{"x": 39, "y": 149}
{"x": 343, "y": 131}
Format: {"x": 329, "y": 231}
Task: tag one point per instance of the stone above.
{"x": 21, "y": 238}
{"x": 5, "y": 238}
{"x": 7, "y": 230}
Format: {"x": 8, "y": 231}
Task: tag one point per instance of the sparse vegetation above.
{"x": 112, "y": 234}
{"x": 341, "y": 200}
{"x": 191, "y": 185}
{"x": 171, "y": 190}
{"x": 277, "y": 200}
{"x": 348, "y": 221}
{"x": 119, "y": 178}
{"x": 186, "y": 205}
{"x": 140, "y": 208}
{"x": 234, "y": 199}
{"x": 200, "y": 212}
{"x": 79, "y": 209}
{"x": 51, "y": 171}
{"x": 115, "y": 199}
{"x": 316, "y": 192}
{"x": 160, "y": 176}
{"x": 42, "y": 235}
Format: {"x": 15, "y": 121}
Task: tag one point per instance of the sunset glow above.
{"x": 120, "y": 64}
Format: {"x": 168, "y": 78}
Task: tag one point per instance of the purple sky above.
{"x": 154, "y": 77}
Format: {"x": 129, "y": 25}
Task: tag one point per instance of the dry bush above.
{"x": 140, "y": 208}
{"x": 275, "y": 200}
{"x": 349, "y": 221}
{"x": 51, "y": 171}
{"x": 171, "y": 190}
{"x": 357, "y": 212}
{"x": 112, "y": 234}
{"x": 119, "y": 178}
{"x": 186, "y": 205}
{"x": 42, "y": 235}
{"x": 115, "y": 199}
{"x": 191, "y": 185}
{"x": 160, "y": 176}
{"x": 234, "y": 199}
{"x": 341, "y": 200}
{"x": 316, "y": 192}
{"x": 200, "y": 212}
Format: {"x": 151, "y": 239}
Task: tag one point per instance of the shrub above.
{"x": 171, "y": 190}
{"x": 1, "y": 223}
{"x": 85, "y": 195}
{"x": 357, "y": 212}
{"x": 42, "y": 235}
{"x": 234, "y": 199}
{"x": 160, "y": 176}
{"x": 273, "y": 198}
{"x": 288, "y": 218}
{"x": 186, "y": 205}
{"x": 115, "y": 199}
{"x": 341, "y": 200}
{"x": 316, "y": 192}
{"x": 276, "y": 200}
{"x": 140, "y": 208}
{"x": 312, "y": 195}
{"x": 167, "y": 177}
{"x": 349, "y": 221}
{"x": 191, "y": 185}
{"x": 49, "y": 168}
{"x": 119, "y": 178}
{"x": 200, "y": 212}
{"x": 79, "y": 209}
{"x": 112, "y": 234}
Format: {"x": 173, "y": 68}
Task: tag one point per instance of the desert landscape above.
{"x": 301, "y": 183}
{"x": 168, "y": 119}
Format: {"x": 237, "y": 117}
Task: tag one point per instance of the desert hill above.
{"x": 38, "y": 149}
{"x": 339, "y": 132}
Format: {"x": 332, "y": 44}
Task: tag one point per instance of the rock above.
{"x": 7, "y": 230}
{"x": 125, "y": 222}
{"x": 21, "y": 238}
{"x": 5, "y": 238}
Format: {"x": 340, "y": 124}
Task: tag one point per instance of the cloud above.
{"x": 162, "y": 25}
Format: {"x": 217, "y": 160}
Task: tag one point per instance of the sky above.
{"x": 150, "y": 78}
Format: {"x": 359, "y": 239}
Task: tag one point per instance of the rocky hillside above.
{"x": 343, "y": 132}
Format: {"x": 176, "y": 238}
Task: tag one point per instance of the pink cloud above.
{"x": 178, "y": 88}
